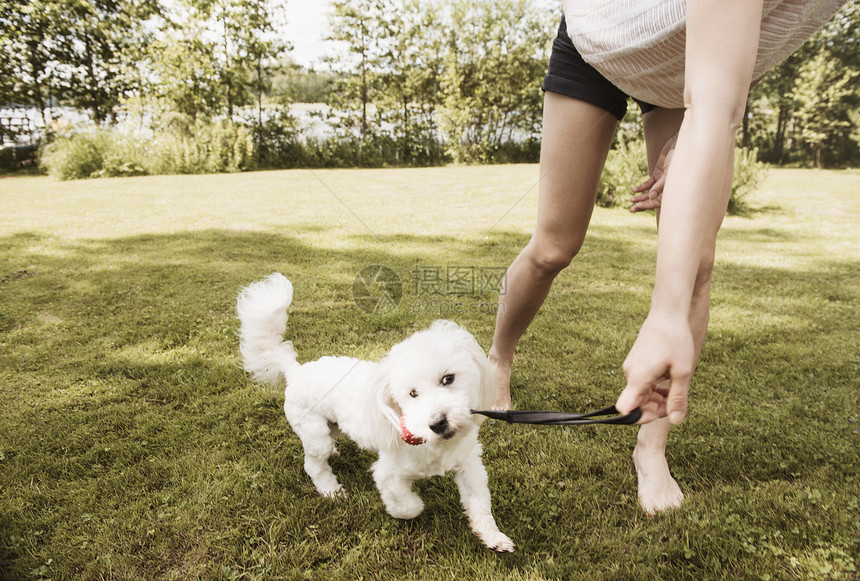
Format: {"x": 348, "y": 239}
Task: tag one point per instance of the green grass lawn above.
{"x": 133, "y": 446}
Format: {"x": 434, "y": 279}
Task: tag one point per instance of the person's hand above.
{"x": 651, "y": 190}
{"x": 664, "y": 350}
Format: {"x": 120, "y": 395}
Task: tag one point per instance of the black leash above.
{"x": 562, "y": 418}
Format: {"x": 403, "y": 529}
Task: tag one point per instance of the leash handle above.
{"x": 562, "y": 418}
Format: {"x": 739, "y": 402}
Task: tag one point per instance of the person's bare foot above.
{"x": 502, "y": 381}
{"x": 658, "y": 491}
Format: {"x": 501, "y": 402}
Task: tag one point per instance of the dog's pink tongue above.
{"x": 408, "y": 436}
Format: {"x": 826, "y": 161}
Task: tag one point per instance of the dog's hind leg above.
{"x": 395, "y": 489}
{"x": 471, "y": 479}
{"x": 318, "y": 443}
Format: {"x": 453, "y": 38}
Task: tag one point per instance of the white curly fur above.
{"x": 430, "y": 383}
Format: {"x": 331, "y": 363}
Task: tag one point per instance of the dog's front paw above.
{"x": 336, "y": 492}
{"x": 407, "y": 507}
{"x": 499, "y": 542}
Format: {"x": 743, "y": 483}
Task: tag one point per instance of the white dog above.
{"x": 413, "y": 407}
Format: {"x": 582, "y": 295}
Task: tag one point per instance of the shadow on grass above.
{"x": 125, "y": 399}
{"x": 758, "y": 235}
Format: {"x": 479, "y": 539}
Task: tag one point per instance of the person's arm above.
{"x": 722, "y": 39}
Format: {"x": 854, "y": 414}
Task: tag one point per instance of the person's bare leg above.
{"x": 575, "y": 141}
{"x": 658, "y": 491}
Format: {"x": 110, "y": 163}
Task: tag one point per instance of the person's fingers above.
{"x": 645, "y": 203}
{"x": 644, "y": 186}
{"x": 647, "y": 417}
{"x": 650, "y": 200}
{"x": 637, "y": 391}
{"x": 628, "y": 400}
{"x": 653, "y": 408}
{"x": 651, "y": 402}
{"x": 649, "y": 195}
{"x": 659, "y": 183}
{"x": 677, "y": 400}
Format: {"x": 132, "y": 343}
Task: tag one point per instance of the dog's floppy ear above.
{"x": 388, "y": 411}
{"x": 470, "y": 345}
{"x": 488, "y": 387}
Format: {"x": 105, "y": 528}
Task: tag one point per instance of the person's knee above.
{"x": 550, "y": 259}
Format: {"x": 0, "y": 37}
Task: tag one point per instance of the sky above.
{"x": 306, "y": 24}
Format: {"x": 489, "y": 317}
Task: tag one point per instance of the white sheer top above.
{"x": 638, "y": 45}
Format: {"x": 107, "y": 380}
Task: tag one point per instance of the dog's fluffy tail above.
{"x": 262, "y": 309}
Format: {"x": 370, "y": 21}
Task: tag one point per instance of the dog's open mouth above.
{"x": 414, "y": 440}
{"x": 408, "y": 436}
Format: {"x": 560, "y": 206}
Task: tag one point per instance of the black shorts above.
{"x": 571, "y": 76}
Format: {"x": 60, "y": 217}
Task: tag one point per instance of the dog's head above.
{"x": 432, "y": 381}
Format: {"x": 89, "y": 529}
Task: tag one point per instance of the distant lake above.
{"x": 28, "y": 124}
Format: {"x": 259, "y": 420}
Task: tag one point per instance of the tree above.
{"x": 185, "y": 75}
{"x": 411, "y": 66}
{"x": 29, "y": 51}
{"x": 96, "y": 39}
{"x": 416, "y": 71}
{"x": 247, "y": 46}
{"x": 71, "y": 51}
{"x": 496, "y": 58}
{"x": 840, "y": 39}
{"x": 259, "y": 46}
{"x": 770, "y": 110}
{"x": 356, "y": 25}
{"x": 212, "y": 52}
{"x": 820, "y": 94}
{"x": 805, "y": 110}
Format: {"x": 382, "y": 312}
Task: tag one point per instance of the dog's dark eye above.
{"x": 448, "y": 379}
{"x": 413, "y": 393}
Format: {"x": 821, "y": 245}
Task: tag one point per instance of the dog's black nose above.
{"x": 441, "y": 426}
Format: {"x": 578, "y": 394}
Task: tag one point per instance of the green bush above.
{"x": 199, "y": 147}
{"x": 276, "y": 141}
{"x": 94, "y": 153}
{"x": 627, "y": 166}
{"x": 749, "y": 173}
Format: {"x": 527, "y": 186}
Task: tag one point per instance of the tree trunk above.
{"x": 260, "y": 92}
{"x": 363, "y": 99}
{"x": 259, "y": 139}
{"x": 93, "y": 88}
{"x": 227, "y": 78}
{"x": 779, "y": 138}
{"x": 406, "y": 132}
{"x": 35, "y": 72}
